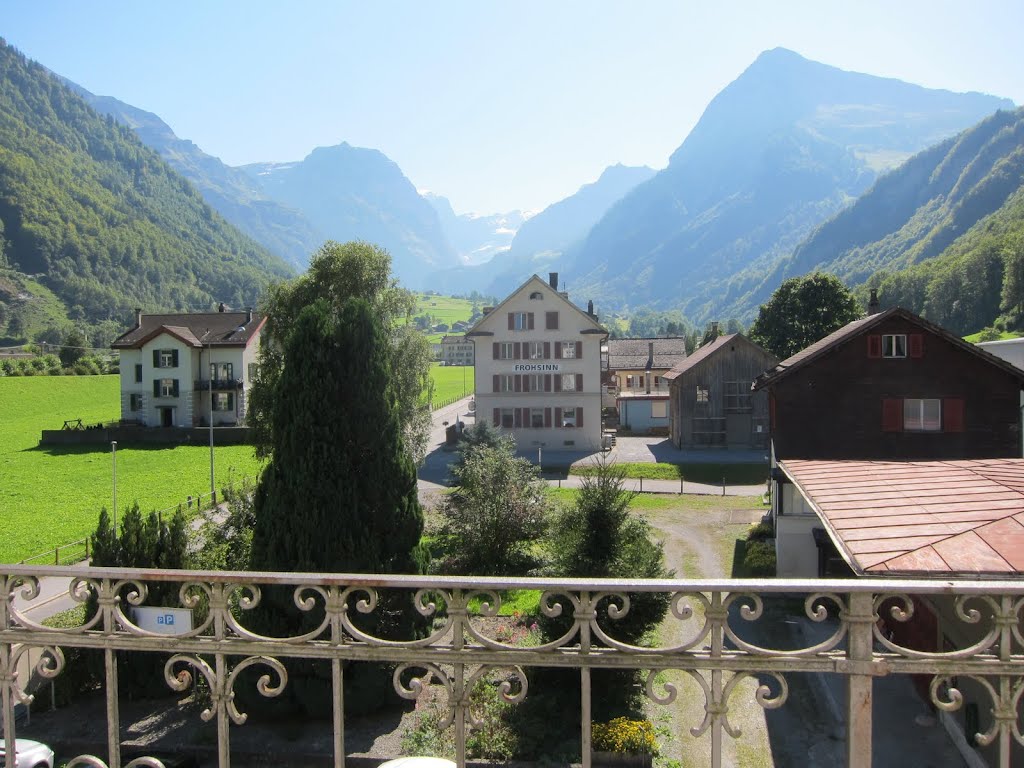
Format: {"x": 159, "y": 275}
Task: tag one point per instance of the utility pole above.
{"x": 113, "y": 454}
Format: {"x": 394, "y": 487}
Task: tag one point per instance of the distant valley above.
{"x": 794, "y": 166}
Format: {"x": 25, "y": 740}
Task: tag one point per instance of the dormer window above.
{"x": 536, "y": 295}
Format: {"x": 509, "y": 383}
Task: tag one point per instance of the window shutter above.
{"x": 156, "y": 358}
{"x": 495, "y": 351}
{"x": 558, "y": 417}
{"x": 953, "y": 414}
{"x": 526, "y": 418}
{"x": 579, "y": 382}
{"x": 496, "y": 386}
{"x": 175, "y": 390}
{"x": 516, "y": 349}
{"x": 529, "y": 321}
{"x": 558, "y": 383}
{"x": 551, "y": 321}
{"x": 547, "y": 418}
{"x": 517, "y": 418}
{"x": 579, "y": 417}
{"x": 547, "y": 382}
{"x": 138, "y": 373}
{"x": 497, "y": 417}
{"x": 892, "y": 414}
{"x": 547, "y": 350}
{"x": 518, "y": 383}
{"x": 558, "y": 350}
{"x": 579, "y": 350}
{"x": 874, "y": 345}
{"x": 231, "y": 401}
{"x": 174, "y": 358}
{"x": 915, "y": 342}
{"x": 156, "y": 387}
{"x": 511, "y": 321}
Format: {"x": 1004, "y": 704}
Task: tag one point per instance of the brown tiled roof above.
{"x": 857, "y": 327}
{"x": 920, "y": 518}
{"x": 218, "y": 329}
{"x": 634, "y": 354}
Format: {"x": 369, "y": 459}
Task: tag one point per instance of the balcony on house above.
{"x": 731, "y": 638}
{"x": 218, "y": 385}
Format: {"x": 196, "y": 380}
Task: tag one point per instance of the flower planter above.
{"x": 620, "y": 760}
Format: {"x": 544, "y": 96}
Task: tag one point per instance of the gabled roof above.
{"x": 457, "y": 338}
{"x": 535, "y": 283}
{"x": 635, "y": 354}
{"x": 858, "y": 327}
{"x": 920, "y": 518}
{"x": 198, "y": 329}
{"x": 703, "y": 353}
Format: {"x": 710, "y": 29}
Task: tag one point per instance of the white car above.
{"x": 28, "y": 754}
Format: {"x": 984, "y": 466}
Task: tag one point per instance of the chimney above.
{"x": 873, "y": 307}
{"x": 138, "y": 317}
{"x": 487, "y": 310}
{"x": 714, "y": 329}
{"x": 221, "y": 308}
{"x": 553, "y": 280}
{"x": 590, "y": 307}
{"x": 248, "y": 315}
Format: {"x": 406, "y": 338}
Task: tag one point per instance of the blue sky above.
{"x": 496, "y": 106}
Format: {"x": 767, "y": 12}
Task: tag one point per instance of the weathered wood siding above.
{"x": 727, "y": 372}
{"x": 832, "y": 407}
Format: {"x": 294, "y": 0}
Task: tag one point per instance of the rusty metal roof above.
{"x": 920, "y": 518}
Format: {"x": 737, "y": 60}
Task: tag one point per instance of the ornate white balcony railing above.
{"x": 714, "y": 619}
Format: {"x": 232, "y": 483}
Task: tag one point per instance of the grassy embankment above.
{"x": 442, "y": 309}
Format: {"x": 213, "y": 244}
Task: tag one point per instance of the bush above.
{"x": 625, "y": 735}
{"x": 760, "y": 532}
{"x": 759, "y": 559}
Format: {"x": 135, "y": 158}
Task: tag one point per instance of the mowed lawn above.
{"x": 451, "y": 381}
{"x": 52, "y": 496}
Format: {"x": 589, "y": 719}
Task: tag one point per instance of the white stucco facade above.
{"x": 538, "y": 370}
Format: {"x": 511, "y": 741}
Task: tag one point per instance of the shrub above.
{"x": 760, "y": 532}
{"x": 759, "y": 559}
{"x": 625, "y": 735}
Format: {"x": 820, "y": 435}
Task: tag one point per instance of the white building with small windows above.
{"x": 538, "y": 369}
{"x": 184, "y": 370}
{"x": 456, "y": 349}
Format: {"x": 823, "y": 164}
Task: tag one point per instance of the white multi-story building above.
{"x": 182, "y": 370}
{"x": 538, "y": 369}
{"x": 457, "y": 350}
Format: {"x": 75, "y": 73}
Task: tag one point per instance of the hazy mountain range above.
{"x": 779, "y": 152}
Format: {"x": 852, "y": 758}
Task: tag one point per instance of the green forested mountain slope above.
{"x": 942, "y": 235}
{"x": 100, "y": 219}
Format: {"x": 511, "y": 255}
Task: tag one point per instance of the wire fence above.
{"x": 439, "y": 404}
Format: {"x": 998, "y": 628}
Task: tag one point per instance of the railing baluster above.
{"x": 113, "y": 712}
{"x": 338, "y": 681}
{"x": 585, "y": 714}
{"x": 860, "y": 621}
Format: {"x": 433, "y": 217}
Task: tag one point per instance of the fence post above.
{"x": 641, "y": 485}
{"x": 723, "y": 486}
{"x": 680, "y": 484}
{"x": 56, "y": 555}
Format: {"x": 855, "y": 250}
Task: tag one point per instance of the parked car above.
{"x": 27, "y": 754}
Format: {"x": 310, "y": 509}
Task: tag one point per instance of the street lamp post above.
{"x": 113, "y": 455}
{"x": 213, "y": 487}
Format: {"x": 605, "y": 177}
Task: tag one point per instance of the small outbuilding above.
{"x": 711, "y": 403}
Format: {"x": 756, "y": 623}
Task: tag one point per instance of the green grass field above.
{"x": 451, "y": 381}
{"x": 52, "y": 496}
{"x": 444, "y": 309}
{"x": 710, "y": 473}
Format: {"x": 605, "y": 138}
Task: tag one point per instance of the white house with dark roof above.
{"x": 186, "y": 369}
{"x": 636, "y": 372}
{"x": 538, "y": 369}
{"x": 456, "y": 349}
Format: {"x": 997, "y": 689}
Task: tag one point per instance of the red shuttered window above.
{"x": 953, "y": 414}
{"x": 892, "y": 414}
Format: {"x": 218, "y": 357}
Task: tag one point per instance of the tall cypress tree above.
{"x": 339, "y": 494}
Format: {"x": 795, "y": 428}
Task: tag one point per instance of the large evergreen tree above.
{"x": 339, "y": 494}
{"x": 339, "y": 272}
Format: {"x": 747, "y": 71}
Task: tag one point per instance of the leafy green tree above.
{"x": 339, "y": 493}
{"x": 801, "y": 311}
{"x": 338, "y": 272}
{"x": 73, "y": 349}
{"x": 489, "y": 525}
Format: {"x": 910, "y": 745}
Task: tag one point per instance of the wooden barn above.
{"x": 711, "y": 403}
{"x": 894, "y": 386}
